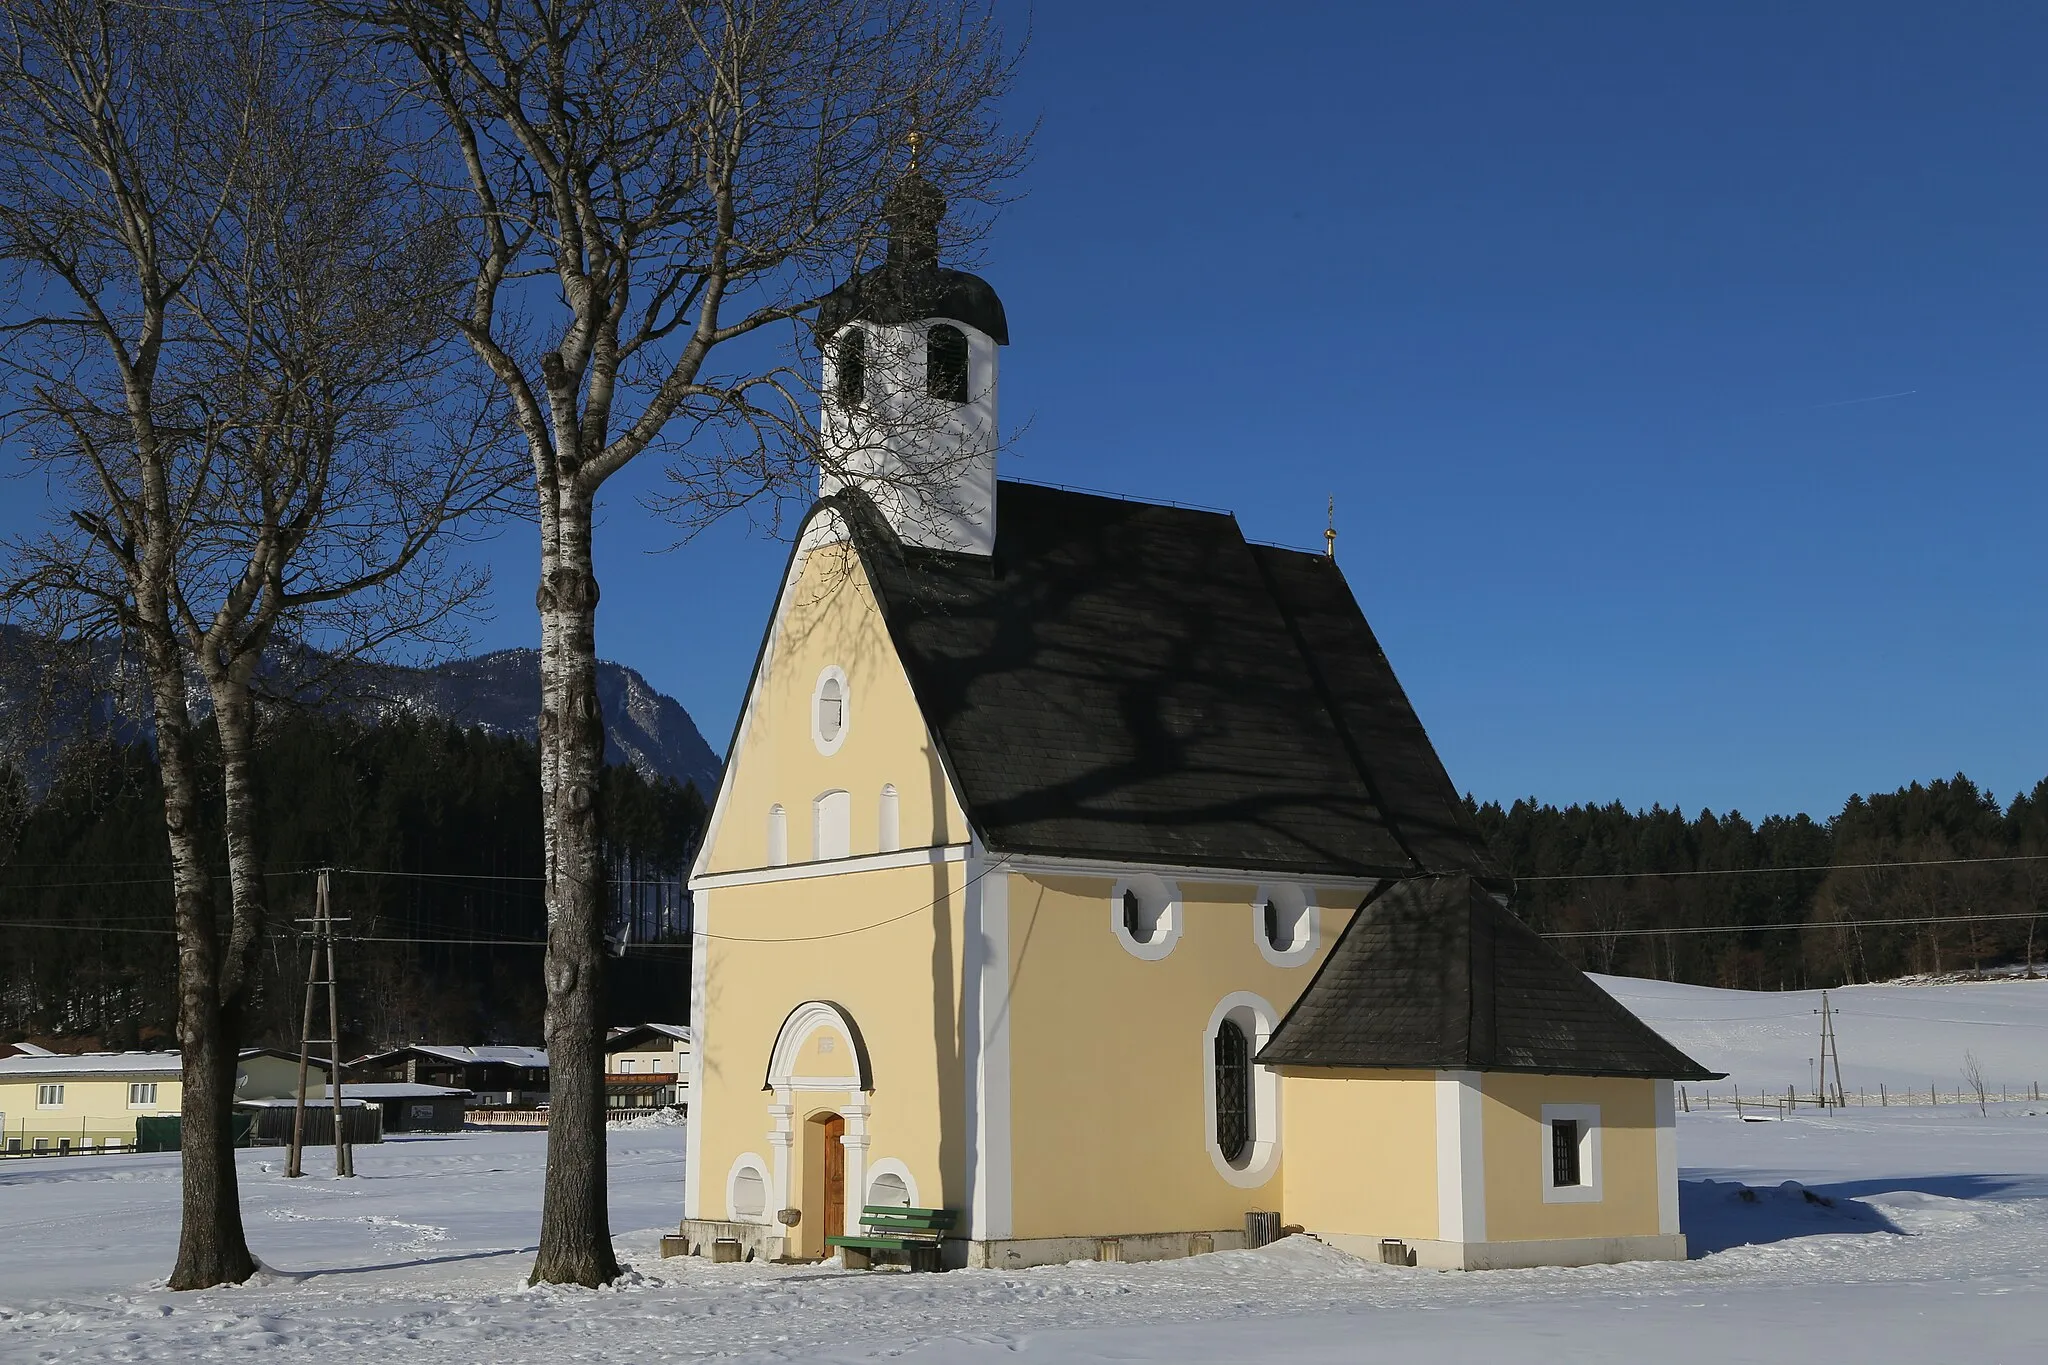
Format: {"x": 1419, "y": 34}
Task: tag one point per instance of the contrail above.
{"x": 1874, "y": 398}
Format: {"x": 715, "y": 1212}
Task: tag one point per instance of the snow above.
{"x": 91, "y": 1064}
{"x": 1905, "y": 1037}
{"x": 506, "y": 1054}
{"x": 1925, "y": 1238}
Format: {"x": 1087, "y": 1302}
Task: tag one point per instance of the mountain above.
{"x": 41, "y": 708}
{"x": 501, "y": 692}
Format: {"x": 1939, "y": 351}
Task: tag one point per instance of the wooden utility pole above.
{"x": 1829, "y": 1048}
{"x": 321, "y": 955}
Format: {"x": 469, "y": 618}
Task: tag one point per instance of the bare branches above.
{"x": 653, "y": 195}
{"x": 244, "y": 389}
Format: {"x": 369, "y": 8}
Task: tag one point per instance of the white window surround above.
{"x": 890, "y": 1166}
{"x": 742, "y": 1194}
{"x": 1297, "y": 908}
{"x": 1261, "y": 1159}
{"x": 1587, "y": 1191}
{"x": 831, "y": 826}
{"x": 1160, "y": 901}
{"x": 49, "y": 1097}
{"x": 142, "y": 1094}
{"x": 830, "y": 745}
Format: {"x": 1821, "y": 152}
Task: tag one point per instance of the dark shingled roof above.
{"x": 1432, "y": 973}
{"x": 1128, "y": 681}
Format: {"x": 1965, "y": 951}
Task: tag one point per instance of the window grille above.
{"x": 1233, "y": 1091}
{"x": 1564, "y": 1152}
{"x": 853, "y": 368}
{"x": 945, "y": 364}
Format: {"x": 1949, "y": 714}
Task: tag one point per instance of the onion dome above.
{"x": 910, "y": 285}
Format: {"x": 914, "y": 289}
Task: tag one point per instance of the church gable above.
{"x": 831, "y": 758}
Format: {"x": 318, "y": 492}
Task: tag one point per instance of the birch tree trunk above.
{"x": 212, "y": 1247}
{"x": 684, "y": 176}
{"x": 575, "y": 1243}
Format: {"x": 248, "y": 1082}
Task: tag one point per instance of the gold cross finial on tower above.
{"x": 1330, "y": 532}
{"x": 914, "y": 139}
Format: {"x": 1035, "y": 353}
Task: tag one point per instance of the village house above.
{"x": 1081, "y": 867}
{"x": 496, "y": 1075}
{"x": 61, "y": 1102}
{"x": 646, "y": 1066}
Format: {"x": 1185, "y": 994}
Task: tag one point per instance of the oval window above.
{"x": 749, "y": 1194}
{"x": 831, "y": 710}
{"x": 1233, "y": 1091}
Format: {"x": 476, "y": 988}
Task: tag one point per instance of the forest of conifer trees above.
{"x": 438, "y": 831}
{"x": 1652, "y": 893}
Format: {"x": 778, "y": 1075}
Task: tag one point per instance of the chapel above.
{"x": 1081, "y": 867}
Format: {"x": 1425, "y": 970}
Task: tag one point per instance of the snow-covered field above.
{"x": 1903, "y": 1037}
{"x": 1926, "y": 1239}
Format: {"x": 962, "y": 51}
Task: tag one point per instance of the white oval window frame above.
{"x": 1258, "y": 1019}
{"x": 831, "y": 673}
{"x": 1303, "y": 950}
{"x": 889, "y": 1165}
{"x": 744, "y": 1162}
{"x": 1149, "y": 887}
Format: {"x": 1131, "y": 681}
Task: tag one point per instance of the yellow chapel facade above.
{"x": 1080, "y": 867}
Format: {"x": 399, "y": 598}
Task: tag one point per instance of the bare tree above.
{"x": 1973, "y": 1076}
{"x": 230, "y": 360}
{"x": 656, "y": 195}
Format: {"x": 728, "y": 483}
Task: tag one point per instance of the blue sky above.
{"x": 1588, "y": 315}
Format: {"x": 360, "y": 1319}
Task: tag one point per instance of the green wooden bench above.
{"x": 913, "y": 1233}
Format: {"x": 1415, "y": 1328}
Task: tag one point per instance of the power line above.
{"x": 1787, "y": 924}
{"x": 1763, "y": 871}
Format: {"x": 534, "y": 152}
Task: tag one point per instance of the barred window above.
{"x": 1564, "y": 1153}
{"x": 945, "y": 364}
{"x": 1233, "y": 1091}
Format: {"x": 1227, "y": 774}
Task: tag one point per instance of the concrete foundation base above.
{"x": 1017, "y": 1252}
{"x": 758, "y": 1241}
{"x": 1518, "y": 1255}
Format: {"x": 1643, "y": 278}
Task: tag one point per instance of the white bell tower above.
{"x": 909, "y": 413}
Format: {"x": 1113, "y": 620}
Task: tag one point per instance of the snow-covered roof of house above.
{"x": 93, "y": 1064}
{"x": 348, "y": 1101}
{"x": 25, "y": 1050}
{"x": 635, "y": 1035}
{"x": 397, "y": 1090}
{"x": 501, "y": 1054}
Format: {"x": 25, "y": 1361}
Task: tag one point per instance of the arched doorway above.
{"x": 824, "y": 1195}
{"x": 820, "y": 1078}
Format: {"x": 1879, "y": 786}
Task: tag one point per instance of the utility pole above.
{"x": 1829, "y": 1048}
{"x": 321, "y": 955}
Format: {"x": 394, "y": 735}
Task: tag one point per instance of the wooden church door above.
{"x": 835, "y": 1177}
